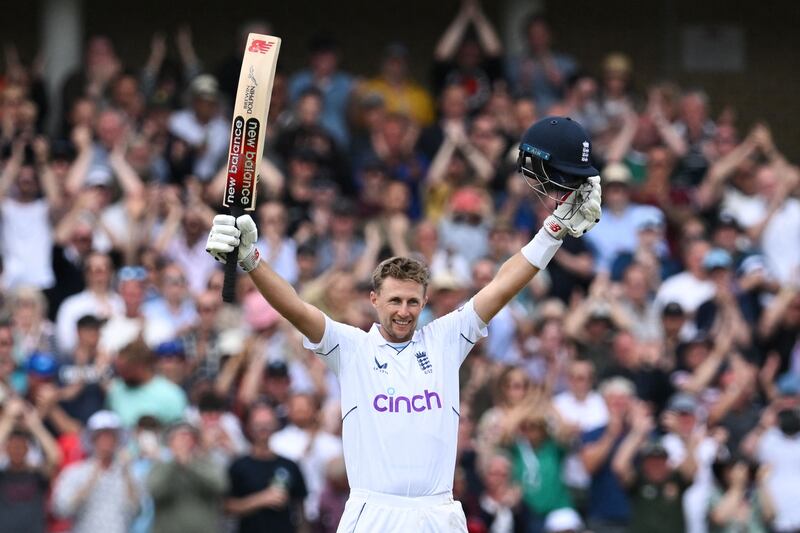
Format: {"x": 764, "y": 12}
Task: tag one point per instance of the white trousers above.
{"x": 375, "y": 512}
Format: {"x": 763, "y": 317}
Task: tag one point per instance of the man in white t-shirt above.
{"x": 400, "y": 386}
{"x": 26, "y": 236}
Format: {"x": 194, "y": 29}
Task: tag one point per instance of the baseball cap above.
{"x": 132, "y": 273}
{"x": 615, "y": 173}
{"x": 170, "y": 348}
{"x": 682, "y": 403}
{"x": 42, "y": 364}
{"x": 565, "y": 519}
{"x": 789, "y": 384}
{"x": 562, "y": 143}
{"x": 717, "y": 258}
{"x": 446, "y": 281}
{"x": 205, "y": 86}
{"x": 651, "y": 219}
{"x": 277, "y": 369}
{"x": 258, "y": 313}
{"x": 98, "y": 177}
{"x": 672, "y": 309}
{"x": 653, "y": 448}
{"x": 618, "y": 63}
{"x": 104, "y": 420}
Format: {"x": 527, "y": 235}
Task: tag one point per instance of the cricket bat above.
{"x": 248, "y": 129}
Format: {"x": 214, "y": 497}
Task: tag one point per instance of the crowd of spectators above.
{"x": 647, "y": 381}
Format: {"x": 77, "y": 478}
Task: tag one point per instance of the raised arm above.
{"x": 11, "y": 168}
{"x": 228, "y": 232}
{"x": 487, "y": 35}
{"x": 452, "y": 36}
{"x": 520, "y": 268}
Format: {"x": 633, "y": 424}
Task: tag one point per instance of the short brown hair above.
{"x": 401, "y": 268}
{"x": 137, "y": 352}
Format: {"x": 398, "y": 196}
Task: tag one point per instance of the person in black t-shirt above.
{"x": 23, "y": 487}
{"x": 266, "y": 490}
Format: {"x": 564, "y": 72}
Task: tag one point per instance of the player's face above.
{"x": 398, "y": 303}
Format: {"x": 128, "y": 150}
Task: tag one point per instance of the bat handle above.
{"x": 231, "y": 264}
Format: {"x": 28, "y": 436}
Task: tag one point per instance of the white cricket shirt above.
{"x": 400, "y": 405}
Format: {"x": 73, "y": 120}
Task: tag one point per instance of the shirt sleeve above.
{"x": 459, "y": 330}
{"x": 335, "y": 345}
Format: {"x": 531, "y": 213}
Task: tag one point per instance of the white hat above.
{"x": 98, "y": 177}
{"x": 565, "y": 519}
{"x": 104, "y": 420}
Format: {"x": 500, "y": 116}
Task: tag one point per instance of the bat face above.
{"x": 249, "y": 121}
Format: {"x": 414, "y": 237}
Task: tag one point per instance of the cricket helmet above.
{"x": 555, "y": 157}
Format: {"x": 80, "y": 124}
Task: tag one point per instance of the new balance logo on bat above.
{"x": 260, "y": 46}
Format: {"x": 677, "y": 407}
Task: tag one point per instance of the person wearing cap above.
{"x": 99, "y": 493}
{"x": 651, "y": 250}
{"x": 187, "y": 489}
{"x": 23, "y": 484}
{"x": 202, "y": 127}
{"x": 399, "y": 384}
{"x": 616, "y": 233}
{"x": 656, "y": 488}
{"x": 400, "y": 93}
{"x": 564, "y": 520}
{"x": 616, "y": 84}
{"x": 725, "y": 306}
{"x": 123, "y": 328}
{"x": 336, "y": 86}
{"x": 680, "y": 420}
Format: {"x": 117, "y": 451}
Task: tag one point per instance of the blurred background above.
{"x": 647, "y": 381}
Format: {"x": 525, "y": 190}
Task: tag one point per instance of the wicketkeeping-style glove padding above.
{"x": 228, "y": 232}
{"x": 563, "y": 221}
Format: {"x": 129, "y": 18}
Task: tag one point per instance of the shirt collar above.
{"x": 375, "y": 333}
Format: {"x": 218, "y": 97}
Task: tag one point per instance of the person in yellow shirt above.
{"x": 400, "y": 93}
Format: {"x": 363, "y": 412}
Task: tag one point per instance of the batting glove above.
{"x": 563, "y": 221}
{"x": 548, "y": 239}
{"x": 225, "y": 236}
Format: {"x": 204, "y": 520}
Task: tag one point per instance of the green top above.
{"x": 159, "y": 397}
{"x": 538, "y": 471}
{"x": 657, "y": 507}
{"x": 755, "y": 517}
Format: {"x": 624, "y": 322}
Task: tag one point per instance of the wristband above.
{"x": 541, "y": 249}
{"x": 251, "y": 260}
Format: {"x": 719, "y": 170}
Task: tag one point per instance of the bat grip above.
{"x": 231, "y": 264}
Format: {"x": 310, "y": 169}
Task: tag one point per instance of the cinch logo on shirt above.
{"x": 403, "y": 404}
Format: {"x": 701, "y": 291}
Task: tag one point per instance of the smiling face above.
{"x": 398, "y": 303}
